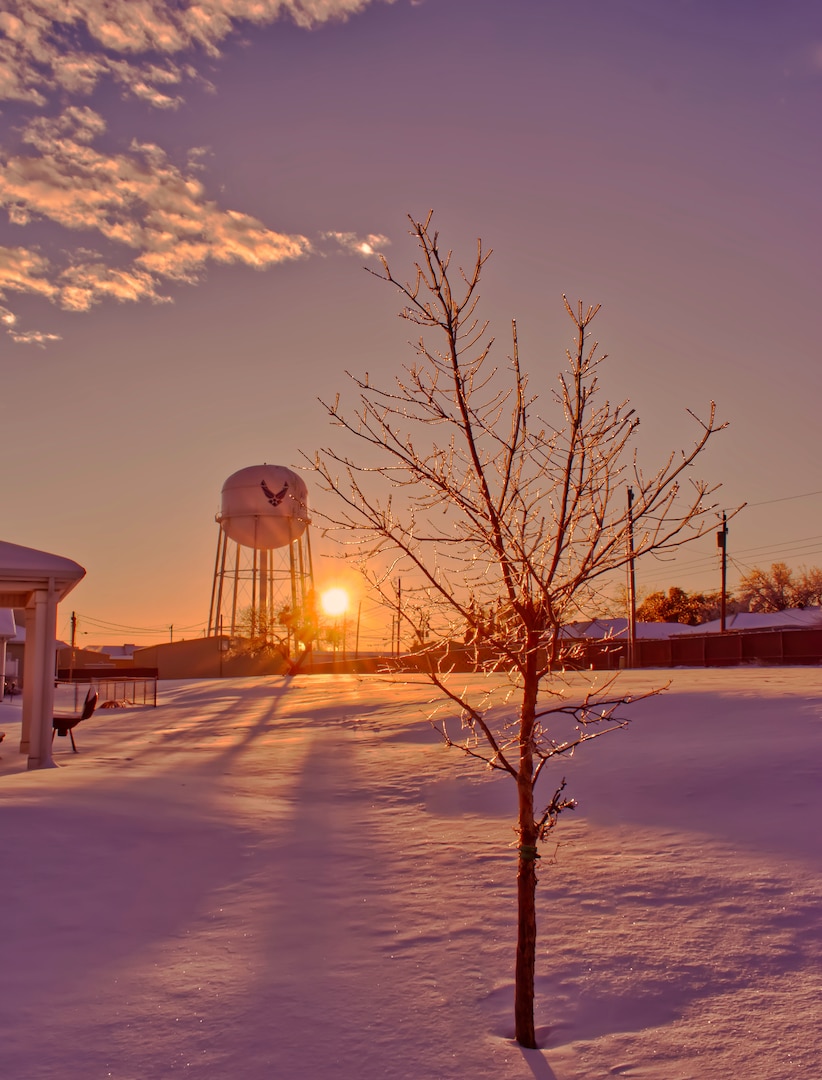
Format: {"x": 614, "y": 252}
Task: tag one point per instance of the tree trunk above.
{"x": 525, "y": 1033}
{"x": 526, "y": 941}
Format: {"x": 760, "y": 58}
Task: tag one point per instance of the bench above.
{"x": 64, "y": 725}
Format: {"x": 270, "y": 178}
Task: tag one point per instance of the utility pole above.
{"x": 399, "y": 613}
{"x": 73, "y": 657}
{"x": 631, "y": 583}
{"x": 722, "y": 544}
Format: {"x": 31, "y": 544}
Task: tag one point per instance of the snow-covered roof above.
{"x": 601, "y": 629}
{"x": 617, "y": 629}
{"x": 8, "y": 627}
{"x": 118, "y": 652}
{"x": 19, "y": 638}
{"x": 793, "y": 618}
{"x": 24, "y": 570}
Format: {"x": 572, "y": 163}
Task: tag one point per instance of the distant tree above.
{"x": 260, "y": 632}
{"x": 333, "y": 636}
{"x": 499, "y": 503}
{"x": 300, "y": 623}
{"x": 808, "y": 588}
{"x": 678, "y": 606}
{"x": 777, "y": 589}
{"x": 767, "y": 590}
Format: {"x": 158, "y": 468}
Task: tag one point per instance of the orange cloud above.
{"x": 371, "y": 244}
{"x": 33, "y": 337}
{"x": 37, "y": 53}
{"x": 24, "y": 271}
{"x": 149, "y": 220}
{"x": 138, "y": 201}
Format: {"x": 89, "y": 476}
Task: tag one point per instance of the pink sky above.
{"x": 190, "y": 204}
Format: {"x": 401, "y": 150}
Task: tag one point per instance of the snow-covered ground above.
{"x": 283, "y": 880}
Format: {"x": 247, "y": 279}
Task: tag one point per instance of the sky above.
{"x": 296, "y": 878}
{"x": 191, "y": 193}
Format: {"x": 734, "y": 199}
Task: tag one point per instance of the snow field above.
{"x": 297, "y": 880}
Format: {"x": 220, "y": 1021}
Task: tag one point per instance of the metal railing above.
{"x": 114, "y": 690}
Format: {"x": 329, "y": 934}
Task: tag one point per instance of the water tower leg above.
{"x": 271, "y": 589}
{"x": 254, "y": 585}
{"x": 308, "y": 554}
{"x": 219, "y": 615}
{"x": 301, "y": 560}
{"x": 216, "y": 609}
{"x": 309, "y": 599}
{"x": 211, "y": 614}
{"x": 264, "y": 613}
{"x": 295, "y": 610}
{"x": 236, "y": 588}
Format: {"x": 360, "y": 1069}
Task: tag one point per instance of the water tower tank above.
{"x": 264, "y": 506}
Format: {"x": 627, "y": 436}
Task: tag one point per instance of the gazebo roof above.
{"x": 24, "y": 570}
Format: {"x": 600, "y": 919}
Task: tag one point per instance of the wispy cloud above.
{"x": 136, "y": 220}
{"x": 24, "y": 271}
{"x": 138, "y": 43}
{"x": 33, "y": 337}
{"x": 350, "y": 242}
{"x": 139, "y": 202}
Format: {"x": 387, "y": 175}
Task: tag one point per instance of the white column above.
{"x": 29, "y": 678}
{"x": 42, "y": 691}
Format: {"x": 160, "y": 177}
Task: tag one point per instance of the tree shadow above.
{"x": 535, "y": 1060}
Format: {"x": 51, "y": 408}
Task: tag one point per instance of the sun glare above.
{"x": 334, "y": 601}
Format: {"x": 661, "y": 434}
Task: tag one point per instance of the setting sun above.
{"x": 334, "y": 601}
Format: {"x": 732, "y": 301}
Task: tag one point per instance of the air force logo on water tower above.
{"x": 274, "y": 499}
{"x": 264, "y": 507}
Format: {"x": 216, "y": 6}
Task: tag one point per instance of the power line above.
{"x": 810, "y": 545}
{"x": 784, "y": 543}
{"x": 784, "y": 498}
{"x": 780, "y": 553}
{"x": 121, "y": 628}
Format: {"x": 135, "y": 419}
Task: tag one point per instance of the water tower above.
{"x": 263, "y": 577}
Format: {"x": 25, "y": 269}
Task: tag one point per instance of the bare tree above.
{"x": 269, "y": 631}
{"x": 495, "y": 508}
{"x": 259, "y": 631}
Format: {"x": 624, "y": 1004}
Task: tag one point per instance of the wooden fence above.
{"x": 702, "y": 650}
